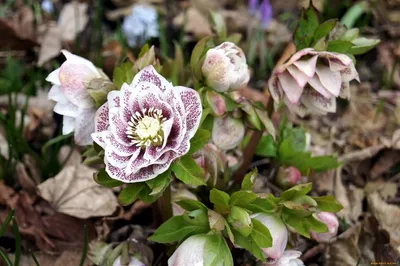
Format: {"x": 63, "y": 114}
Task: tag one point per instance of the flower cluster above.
{"x": 312, "y": 80}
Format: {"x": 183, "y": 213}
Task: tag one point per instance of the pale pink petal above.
{"x": 67, "y": 109}
{"x": 292, "y": 90}
{"x": 98, "y": 137}
{"x": 68, "y": 125}
{"x": 115, "y": 159}
{"x": 299, "y": 55}
{"x": 336, "y": 65}
{"x": 118, "y": 127}
{"x": 53, "y": 77}
{"x": 193, "y": 108}
{"x": 101, "y": 119}
{"x": 113, "y": 98}
{"x": 298, "y": 75}
{"x": 56, "y": 94}
{"x": 77, "y": 60}
{"x": 345, "y": 91}
{"x": 84, "y": 126}
{"x": 117, "y": 147}
{"x": 274, "y": 88}
{"x": 316, "y": 84}
{"x": 227, "y": 132}
{"x": 349, "y": 74}
{"x": 307, "y": 66}
{"x": 149, "y": 74}
{"x": 332, "y": 81}
{"x": 297, "y": 108}
{"x": 218, "y": 70}
{"x": 314, "y": 99}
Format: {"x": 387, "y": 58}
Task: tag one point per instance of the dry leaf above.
{"x": 72, "y": 20}
{"x": 194, "y": 22}
{"x": 385, "y": 189}
{"x": 74, "y": 192}
{"x": 51, "y": 44}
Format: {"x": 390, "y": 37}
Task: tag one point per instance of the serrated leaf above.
{"x": 216, "y": 251}
{"x": 316, "y": 225}
{"x": 160, "y": 183}
{"x": 261, "y": 234}
{"x": 177, "y": 229}
{"x": 130, "y": 193}
{"x": 123, "y": 74}
{"x": 296, "y": 191}
{"x": 199, "y": 140}
{"x": 191, "y": 205}
{"x": 339, "y": 46}
{"x": 328, "y": 204}
{"x": 324, "y": 29}
{"x": 249, "y": 180}
{"x": 188, "y": 171}
{"x": 105, "y": 180}
{"x": 242, "y": 198}
{"x": 220, "y": 199}
{"x": 266, "y": 147}
{"x": 308, "y": 23}
{"x": 262, "y": 205}
{"x": 249, "y": 244}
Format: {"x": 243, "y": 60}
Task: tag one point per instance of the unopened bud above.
{"x": 217, "y": 103}
{"x": 332, "y": 222}
{"x": 190, "y": 252}
{"x": 288, "y": 177}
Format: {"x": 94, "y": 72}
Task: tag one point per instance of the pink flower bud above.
{"x": 225, "y": 67}
{"x": 190, "y": 252}
{"x": 278, "y": 232}
{"x": 180, "y": 194}
{"x": 332, "y": 222}
{"x": 288, "y": 177}
{"x": 216, "y": 102}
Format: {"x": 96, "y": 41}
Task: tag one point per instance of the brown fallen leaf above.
{"x": 193, "y": 22}
{"x": 72, "y": 20}
{"x": 51, "y": 44}
{"x": 74, "y": 192}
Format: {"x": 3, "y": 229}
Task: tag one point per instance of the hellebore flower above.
{"x": 145, "y": 126}
{"x": 133, "y": 262}
{"x": 289, "y": 258}
{"x": 190, "y": 252}
{"x": 225, "y": 67}
{"x": 141, "y": 25}
{"x": 278, "y": 232}
{"x": 227, "y": 132}
{"x": 69, "y": 90}
{"x": 332, "y": 222}
{"x": 311, "y": 81}
{"x": 288, "y": 176}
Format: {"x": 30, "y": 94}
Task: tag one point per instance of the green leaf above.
{"x": 305, "y": 201}
{"x": 177, "y": 229}
{"x": 197, "y": 217}
{"x": 160, "y": 183}
{"x": 324, "y": 163}
{"x": 339, "y": 46}
{"x": 261, "y": 234}
{"x": 228, "y": 232}
{"x": 146, "y": 59}
{"x": 191, "y": 205}
{"x": 102, "y": 178}
{"x": 130, "y": 193}
{"x": 262, "y": 205}
{"x": 299, "y": 223}
{"x": 266, "y": 147}
{"x": 324, "y": 29}
{"x": 123, "y": 74}
{"x": 218, "y": 23}
{"x": 6, "y": 223}
{"x": 350, "y": 35}
{"x": 216, "y": 251}
{"x": 220, "y": 199}
{"x": 99, "y": 88}
{"x": 242, "y": 198}
{"x": 249, "y": 244}
{"x": 199, "y": 50}
{"x": 296, "y": 191}
{"x": 240, "y": 220}
{"x": 316, "y": 225}
{"x": 146, "y": 195}
{"x": 363, "y": 45}
{"x": 296, "y": 209}
{"x": 328, "y": 204}
{"x": 188, "y": 171}
{"x": 352, "y": 14}
{"x": 249, "y": 180}
{"x": 199, "y": 140}
{"x": 308, "y": 23}
{"x": 235, "y": 38}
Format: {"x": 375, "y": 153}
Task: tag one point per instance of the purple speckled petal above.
{"x": 148, "y": 99}
{"x": 118, "y": 127}
{"x": 117, "y": 147}
{"x": 149, "y": 74}
{"x": 332, "y": 81}
{"x": 84, "y": 126}
{"x": 193, "y": 108}
{"x": 316, "y": 84}
{"x": 349, "y": 74}
{"x": 292, "y": 90}
{"x": 118, "y": 160}
{"x": 129, "y": 101}
{"x": 101, "y": 119}
{"x": 298, "y": 108}
{"x": 98, "y": 137}
{"x": 345, "y": 90}
{"x": 314, "y": 100}
{"x": 113, "y": 99}
{"x": 274, "y": 88}
{"x": 67, "y": 109}
{"x": 135, "y": 164}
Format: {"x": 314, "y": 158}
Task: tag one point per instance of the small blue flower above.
{"x": 47, "y": 5}
{"x": 266, "y": 13}
{"x": 253, "y": 6}
{"x": 141, "y": 25}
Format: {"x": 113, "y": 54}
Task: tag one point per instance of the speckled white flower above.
{"x": 225, "y": 67}
{"x": 145, "y": 126}
{"x": 73, "y": 100}
{"x": 141, "y": 25}
{"x": 311, "y": 81}
{"x": 190, "y": 252}
{"x": 289, "y": 258}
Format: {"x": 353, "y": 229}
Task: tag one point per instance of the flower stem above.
{"x": 163, "y": 207}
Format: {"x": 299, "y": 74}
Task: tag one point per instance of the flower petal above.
{"x": 274, "y": 88}
{"x": 149, "y": 74}
{"x": 53, "y": 77}
{"x": 129, "y": 101}
{"x": 332, "y": 81}
{"x": 113, "y": 98}
{"x": 193, "y": 108}
{"x": 77, "y": 60}
{"x": 292, "y": 90}
{"x": 152, "y": 153}
{"x": 349, "y": 74}
{"x": 227, "y": 132}
{"x": 98, "y": 137}
{"x": 118, "y": 127}
{"x": 307, "y": 66}
{"x": 84, "y": 126}
{"x": 313, "y": 99}
{"x": 117, "y": 147}
{"x": 67, "y": 109}
{"x": 115, "y": 159}
{"x": 345, "y": 91}
{"x": 101, "y": 118}
{"x": 316, "y": 84}
{"x": 298, "y": 75}
{"x": 68, "y": 125}
{"x": 56, "y": 94}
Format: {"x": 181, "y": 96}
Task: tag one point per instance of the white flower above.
{"x": 141, "y": 25}
{"x": 69, "y": 90}
{"x": 278, "y": 232}
{"x": 190, "y": 252}
{"x": 332, "y": 222}
{"x": 225, "y": 67}
{"x": 289, "y": 258}
{"x": 133, "y": 262}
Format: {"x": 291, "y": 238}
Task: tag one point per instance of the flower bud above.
{"x": 227, "y": 132}
{"x": 240, "y": 220}
{"x": 216, "y": 102}
{"x": 278, "y": 232}
{"x": 225, "y": 67}
{"x": 289, "y": 258}
{"x": 178, "y": 195}
{"x": 288, "y": 177}
{"x": 190, "y": 252}
{"x": 332, "y": 222}
{"x": 132, "y": 261}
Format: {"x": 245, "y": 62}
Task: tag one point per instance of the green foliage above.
{"x": 220, "y": 199}
{"x": 199, "y": 140}
{"x": 130, "y": 193}
{"x": 216, "y": 251}
{"x": 308, "y": 24}
{"x": 99, "y": 89}
{"x": 123, "y": 74}
{"x": 328, "y": 204}
{"x": 249, "y": 180}
{"x": 266, "y": 147}
{"x": 188, "y": 171}
{"x": 102, "y": 178}
{"x": 260, "y": 234}
{"x": 197, "y": 56}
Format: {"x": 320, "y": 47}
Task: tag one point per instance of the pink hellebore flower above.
{"x": 190, "y": 252}
{"x": 145, "y": 126}
{"x": 225, "y": 67}
{"x": 312, "y": 80}
{"x": 289, "y": 258}
{"x": 332, "y": 222}
{"x": 69, "y": 90}
{"x": 278, "y": 232}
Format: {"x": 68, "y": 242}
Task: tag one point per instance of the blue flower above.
{"x": 141, "y": 25}
{"x": 266, "y": 13}
{"x": 47, "y": 5}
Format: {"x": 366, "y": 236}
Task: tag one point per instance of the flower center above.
{"x": 146, "y": 129}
